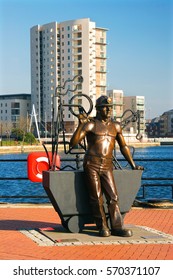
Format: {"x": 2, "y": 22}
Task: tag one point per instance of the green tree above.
{"x": 29, "y": 138}
{"x": 17, "y": 134}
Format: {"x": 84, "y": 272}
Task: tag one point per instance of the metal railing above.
{"x": 156, "y": 182}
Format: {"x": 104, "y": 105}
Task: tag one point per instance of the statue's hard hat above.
{"x": 103, "y": 101}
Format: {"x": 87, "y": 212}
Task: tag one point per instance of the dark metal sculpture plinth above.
{"x": 68, "y": 194}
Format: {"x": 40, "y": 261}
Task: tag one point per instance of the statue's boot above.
{"x": 102, "y": 226}
{"x": 117, "y": 226}
{"x": 100, "y": 219}
{"x": 122, "y": 232}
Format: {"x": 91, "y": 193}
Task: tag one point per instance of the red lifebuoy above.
{"x": 37, "y": 162}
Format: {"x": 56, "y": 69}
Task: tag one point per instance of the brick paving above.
{"x": 14, "y": 245}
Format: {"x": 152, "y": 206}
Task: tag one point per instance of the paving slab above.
{"x": 59, "y": 236}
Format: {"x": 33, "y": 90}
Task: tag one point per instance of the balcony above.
{"x": 101, "y": 70}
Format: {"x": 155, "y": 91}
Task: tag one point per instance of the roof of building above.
{"x": 168, "y": 112}
{"x": 14, "y": 95}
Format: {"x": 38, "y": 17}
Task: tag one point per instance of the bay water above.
{"x": 142, "y": 156}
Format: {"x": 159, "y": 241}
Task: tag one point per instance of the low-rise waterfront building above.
{"x": 135, "y": 104}
{"x": 166, "y": 124}
{"x": 161, "y": 126}
{"x": 14, "y": 111}
{"x": 117, "y": 99}
{"x": 153, "y": 127}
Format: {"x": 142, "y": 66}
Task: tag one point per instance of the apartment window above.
{"x": 14, "y": 111}
{"x": 79, "y": 72}
{"x": 102, "y": 90}
{"x": 68, "y": 28}
{"x": 13, "y": 118}
{"x": 79, "y": 50}
{"x": 79, "y": 35}
{"x": 15, "y": 105}
{"x": 68, "y": 35}
{"x": 79, "y": 42}
{"x": 77, "y": 27}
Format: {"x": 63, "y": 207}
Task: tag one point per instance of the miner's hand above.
{"x": 83, "y": 118}
{"x": 138, "y": 167}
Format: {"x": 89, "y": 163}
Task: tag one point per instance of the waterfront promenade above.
{"x": 39, "y": 147}
{"x": 17, "y": 220}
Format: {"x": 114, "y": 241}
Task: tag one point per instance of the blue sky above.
{"x": 140, "y": 43}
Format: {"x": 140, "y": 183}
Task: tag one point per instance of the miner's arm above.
{"x": 81, "y": 131}
{"x": 78, "y": 135}
{"x": 125, "y": 149}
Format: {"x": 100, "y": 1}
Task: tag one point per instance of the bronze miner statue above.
{"x": 101, "y": 133}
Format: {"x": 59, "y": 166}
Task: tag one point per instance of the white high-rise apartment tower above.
{"x": 60, "y": 51}
{"x": 135, "y": 103}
